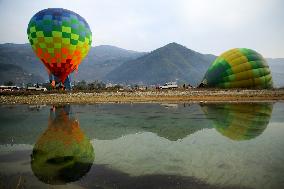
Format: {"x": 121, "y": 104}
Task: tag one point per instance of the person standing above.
{"x": 56, "y": 83}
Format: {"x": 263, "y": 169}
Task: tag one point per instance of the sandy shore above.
{"x": 173, "y": 96}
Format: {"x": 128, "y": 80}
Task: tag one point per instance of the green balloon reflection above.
{"x": 239, "y": 121}
{"x": 63, "y": 153}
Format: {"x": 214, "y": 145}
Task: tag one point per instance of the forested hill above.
{"x": 172, "y": 62}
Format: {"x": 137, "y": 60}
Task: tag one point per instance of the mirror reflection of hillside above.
{"x": 107, "y": 121}
{"x": 62, "y": 153}
{"x": 111, "y": 121}
{"x": 170, "y": 121}
{"x": 239, "y": 121}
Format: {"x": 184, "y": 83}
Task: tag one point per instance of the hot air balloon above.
{"x": 239, "y": 121}
{"x": 61, "y": 39}
{"x": 63, "y": 153}
{"x": 238, "y": 68}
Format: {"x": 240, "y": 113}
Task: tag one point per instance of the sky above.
{"x": 206, "y": 26}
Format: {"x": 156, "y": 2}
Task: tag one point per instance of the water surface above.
{"x": 142, "y": 146}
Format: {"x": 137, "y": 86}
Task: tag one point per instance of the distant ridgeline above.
{"x": 19, "y": 64}
{"x": 172, "y": 62}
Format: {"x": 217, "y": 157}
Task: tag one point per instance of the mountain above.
{"x": 19, "y": 64}
{"x": 172, "y": 62}
{"x": 103, "y": 59}
{"x": 277, "y": 68}
{"x": 16, "y": 74}
{"x": 100, "y": 61}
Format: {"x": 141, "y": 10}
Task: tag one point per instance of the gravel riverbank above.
{"x": 177, "y": 96}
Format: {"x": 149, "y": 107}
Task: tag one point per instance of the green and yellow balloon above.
{"x": 239, "y": 68}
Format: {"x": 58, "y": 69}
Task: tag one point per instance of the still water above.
{"x": 142, "y": 146}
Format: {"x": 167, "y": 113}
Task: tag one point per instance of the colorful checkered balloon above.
{"x": 60, "y": 38}
{"x": 239, "y": 68}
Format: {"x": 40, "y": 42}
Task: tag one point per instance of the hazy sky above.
{"x": 207, "y": 26}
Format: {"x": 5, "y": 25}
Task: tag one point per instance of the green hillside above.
{"x": 172, "y": 62}
{"x": 17, "y": 75}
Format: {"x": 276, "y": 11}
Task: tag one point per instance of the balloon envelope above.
{"x": 239, "y": 68}
{"x": 60, "y": 38}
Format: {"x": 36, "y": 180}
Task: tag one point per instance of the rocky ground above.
{"x": 190, "y": 95}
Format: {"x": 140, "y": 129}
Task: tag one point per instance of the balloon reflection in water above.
{"x": 63, "y": 153}
{"x": 239, "y": 121}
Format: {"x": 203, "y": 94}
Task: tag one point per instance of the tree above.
{"x": 96, "y": 85}
{"x": 81, "y": 85}
{"x": 9, "y": 83}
